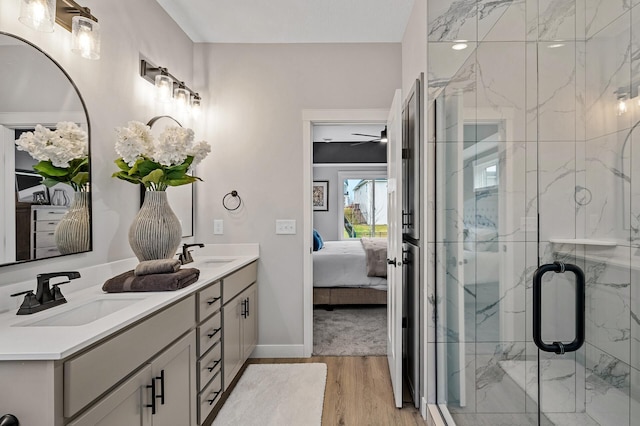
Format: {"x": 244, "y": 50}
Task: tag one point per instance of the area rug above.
{"x": 276, "y": 394}
{"x": 350, "y": 331}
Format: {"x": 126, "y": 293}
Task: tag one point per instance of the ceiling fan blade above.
{"x": 361, "y": 142}
{"x": 362, "y": 134}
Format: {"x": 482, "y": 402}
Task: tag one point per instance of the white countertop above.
{"x": 58, "y": 342}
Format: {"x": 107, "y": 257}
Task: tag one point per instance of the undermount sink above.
{"x": 81, "y": 315}
{"x": 214, "y": 262}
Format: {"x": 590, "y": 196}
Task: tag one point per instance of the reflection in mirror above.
{"x": 35, "y": 91}
{"x": 180, "y": 197}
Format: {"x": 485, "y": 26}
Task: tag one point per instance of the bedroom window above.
{"x": 365, "y": 207}
{"x": 485, "y": 174}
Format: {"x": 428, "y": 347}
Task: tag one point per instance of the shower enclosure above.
{"x": 537, "y": 168}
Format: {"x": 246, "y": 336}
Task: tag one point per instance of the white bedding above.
{"x": 343, "y": 264}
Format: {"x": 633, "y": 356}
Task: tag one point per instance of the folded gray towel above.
{"x": 158, "y": 266}
{"x": 128, "y": 281}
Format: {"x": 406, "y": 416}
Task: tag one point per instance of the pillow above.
{"x": 317, "y": 241}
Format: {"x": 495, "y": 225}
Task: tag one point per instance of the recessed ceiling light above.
{"x": 555, "y": 46}
{"x": 459, "y": 46}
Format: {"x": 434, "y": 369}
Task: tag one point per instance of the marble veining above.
{"x": 556, "y": 19}
{"x": 447, "y": 26}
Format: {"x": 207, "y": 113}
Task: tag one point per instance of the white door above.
{"x": 394, "y": 249}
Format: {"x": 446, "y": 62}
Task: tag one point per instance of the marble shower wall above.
{"x": 552, "y": 72}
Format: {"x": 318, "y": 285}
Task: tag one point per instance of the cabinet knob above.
{"x": 9, "y": 420}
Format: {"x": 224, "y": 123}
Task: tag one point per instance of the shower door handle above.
{"x": 558, "y": 347}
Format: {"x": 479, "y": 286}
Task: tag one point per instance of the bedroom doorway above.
{"x": 350, "y": 223}
{"x": 312, "y": 118}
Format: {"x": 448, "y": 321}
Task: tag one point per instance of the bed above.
{"x": 340, "y": 275}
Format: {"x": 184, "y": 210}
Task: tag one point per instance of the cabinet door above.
{"x": 250, "y": 323}
{"x": 175, "y": 377}
{"x": 231, "y": 342}
{"x": 124, "y": 406}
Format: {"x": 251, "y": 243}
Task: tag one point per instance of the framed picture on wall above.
{"x": 321, "y": 195}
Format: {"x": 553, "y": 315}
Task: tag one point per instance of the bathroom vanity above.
{"x": 132, "y": 358}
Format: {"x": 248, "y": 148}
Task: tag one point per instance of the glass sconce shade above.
{"x": 182, "y": 95}
{"x": 195, "y": 105}
{"x": 85, "y": 37}
{"x": 38, "y": 14}
{"x": 164, "y": 87}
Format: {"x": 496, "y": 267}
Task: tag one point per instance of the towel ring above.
{"x": 229, "y": 198}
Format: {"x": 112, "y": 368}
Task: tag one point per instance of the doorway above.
{"x": 311, "y": 118}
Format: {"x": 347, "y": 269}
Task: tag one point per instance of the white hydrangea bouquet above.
{"x": 158, "y": 164}
{"x": 63, "y": 154}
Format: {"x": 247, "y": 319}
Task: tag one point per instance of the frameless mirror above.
{"x": 35, "y": 91}
{"x": 180, "y": 197}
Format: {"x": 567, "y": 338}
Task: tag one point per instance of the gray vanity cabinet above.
{"x": 173, "y": 372}
{"x": 122, "y": 406}
{"x": 240, "y": 331}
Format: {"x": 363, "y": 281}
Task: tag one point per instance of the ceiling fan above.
{"x": 381, "y": 138}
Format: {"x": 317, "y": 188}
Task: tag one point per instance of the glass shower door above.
{"x": 537, "y": 161}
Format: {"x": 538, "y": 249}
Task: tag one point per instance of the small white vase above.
{"x": 72, "y": 234}
{"x": 155, "y": 232}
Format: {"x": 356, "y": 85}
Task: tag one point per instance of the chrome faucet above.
{"x": 46, "y": 297}
{"x": 185, "y": 257}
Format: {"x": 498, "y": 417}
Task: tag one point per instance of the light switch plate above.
{"x": 285, "y": 227}
{"x": 218, "y": 227}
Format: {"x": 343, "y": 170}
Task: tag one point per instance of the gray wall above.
{"x": 114, "y": 94}
{"x": 257, "y": 94}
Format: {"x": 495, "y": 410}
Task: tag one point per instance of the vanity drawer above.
{"x": 209, "y": 333}
{"x": 93, "y": 372}
{"x": 209, "y": 397}
{"x": 44, "y": 239}
{"x": 209, "y": 301}
{"x": 46, "y": 252}
{"x": 209, "y": 365}
{"x": 49, "y": 214}
{"x": 46, "y": 225}
{"x": 238, "y": 281}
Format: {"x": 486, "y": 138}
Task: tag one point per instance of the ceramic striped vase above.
{"x": 72, "y": 234}
{"x": 155, "y": 232}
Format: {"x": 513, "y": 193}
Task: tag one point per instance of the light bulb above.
{"x": 85, "y": 37}
{"x": 164, "y": 88}
{"x": 195, "y": 105}
{"x": 622, "y": 106}
{"x": 181, "y": 95}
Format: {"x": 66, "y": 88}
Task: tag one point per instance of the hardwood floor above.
{"x": 358, "y": 392}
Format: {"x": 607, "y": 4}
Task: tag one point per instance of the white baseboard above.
{"x": 424, "y": 407}
{"x": 278, "y": 351}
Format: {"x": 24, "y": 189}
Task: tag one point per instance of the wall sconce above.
{"x": 85, "y": 30}
{"x": 383, "y": 135}
{"x": 169, "y": 87}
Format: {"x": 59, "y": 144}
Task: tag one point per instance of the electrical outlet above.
{"x": 285, "y": 227}
{"x": 218, "y": 227}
